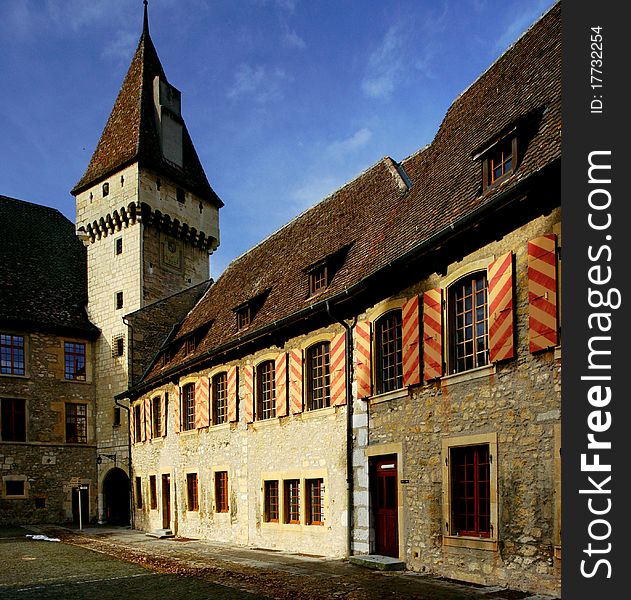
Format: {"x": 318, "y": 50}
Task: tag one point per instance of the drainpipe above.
{"x": 349, "y": 429}
{"x": 131, "y": 487}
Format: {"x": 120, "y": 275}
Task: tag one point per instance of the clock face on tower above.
{"x": 171, "y": 252}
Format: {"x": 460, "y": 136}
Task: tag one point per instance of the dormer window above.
{"x": 499, "y": 161}
{"x": 244, "y": 317}
{"x": 318, "y": 279}
{"x": 189, "y": 345}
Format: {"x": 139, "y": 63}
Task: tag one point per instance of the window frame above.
{"x": 244, "y": 317}
{"x": 381, "y": 387}
{"x": 73, "y": 353}
{"x": 153, "y": 492}
{"x": 192, "y": 492}
{"x": 187, "y": 416}
{"x": 314, "y": 501}
{"x": 12, "y": 354}
{"x": 271, "y": 501}
{"x": 12, "y": 434}
{"x": 265, "y": 390}
{"x": 489, "y": 161}
{"x": 318, "y": 279}
{"x": 453, "y": 365}
{"x": 316, "y": 401}
{"x": 291, "y": 501}
{"x": 156, "y": 417}
{"x": 219, "y": 400}
{"x": 77, "y": 419}
{"x": 222, "y": 503}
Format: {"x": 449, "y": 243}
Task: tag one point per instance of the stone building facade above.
{"x": 382, "y": 374}
{"x": 47, "y": 408}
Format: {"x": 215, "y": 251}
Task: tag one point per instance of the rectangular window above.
{"x": 318, "y": 280}
{"x": 138, "y": 491}
{"x": 318, "y": 376}
{"x": 118, "y": 246}
{"x": 74, "y": 361}
{"x": 153, "y": 492}
{"x": 469, "y": 324}
{"x": 12, "y": 354}
{"x": 220, "y": 398}
{"x": 191, "y": 491}
{"x": 389, "y": 358}
{"x": 156, "y": 417}
{"x": 221, "y": 491}
{"x": 292, "y": 500}
{"x": 243, "y": 317}
{"x": 119, "y": 300}
{"x": 188, "y": 407}
{"x": 15, "y": 487}
{"x": 270, "y": 501}
{"x": 118, "y": 345}
{"x": 76, "y": 423}
{"x": 499, "y": 162}
{"x": 315, "y": 501}
{"x": 12, "y": 420}
{"x": 470, "y": 491}
{"x": 190, "y": 345}
{"x": 266, "y": 390}
{"x": 137, "y": 424}
{"x": 117, "y": 417}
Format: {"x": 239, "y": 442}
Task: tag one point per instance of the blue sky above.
{"x": 286, "y": 100}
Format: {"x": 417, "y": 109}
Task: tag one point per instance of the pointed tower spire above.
{"x": 145, "y": 23}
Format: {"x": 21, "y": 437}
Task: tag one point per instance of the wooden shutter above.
{"x": 295, "y": 381}
{"x": 280, "y": 371}
{"x": 410, "y": 342}
{"x": 202, "y": 415}
{"x": 163, "y": 415}
{"x": 501, "y": 332}
{"x": 337, "y": 370}
{"x": 132, "y": 423}
{"x": 233, "y": 414}
{"x": 542, "y": 293}
{"x": 363, "y": 358}
{"x": 176, "y": 409}
{"x": 142, "y": 422}
{"x": 433, "y": 333}
{"x": 248, "y": 393}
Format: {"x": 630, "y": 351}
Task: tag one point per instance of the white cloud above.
{"x": 259, "y": 82}
{"x": 292, "y": 40}
{"x": 350, "y": 144}
{"x": 122, "y": 46}
{"x": 314, "y": 189}
{"x": 384, "y": 66}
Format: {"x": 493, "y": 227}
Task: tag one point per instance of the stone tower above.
{"x": 149, "y": 219}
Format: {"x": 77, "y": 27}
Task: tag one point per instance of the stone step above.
{"x": 161, "y": 533}
{"x": 377, "y": 561}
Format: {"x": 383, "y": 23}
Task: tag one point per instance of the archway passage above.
{"x": 116, "y": 497}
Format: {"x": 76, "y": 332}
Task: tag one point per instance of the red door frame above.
{"x": 385, "y": 502}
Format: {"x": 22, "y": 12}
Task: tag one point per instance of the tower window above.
{"x": 118, "y": 346}
{"x": 119, "y": 300}
{"x": 106, "y": 189}
{"x": 180, "y": 195}
{"x": 118, "y": 246}
{"x": 158, "y": 184}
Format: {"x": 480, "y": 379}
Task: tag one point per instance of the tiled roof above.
{"x": 131, "y": 132}
{"x": 378, "y": 217}
{"x": 43, "y": 279}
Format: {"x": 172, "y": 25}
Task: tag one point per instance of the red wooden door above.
{"x": 166, "y": 501}
{"x": 386, "y": 513}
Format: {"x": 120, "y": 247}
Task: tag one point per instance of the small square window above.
{"x": 243, "y": 317}
{"x": 119, "y": 300}
{"x": 318, "y": 280}
{"x": 118, "y": 246}
{"x": 40, "y": 502}
{"x": 499, "y": 162}
{"x": 15, "y": 487}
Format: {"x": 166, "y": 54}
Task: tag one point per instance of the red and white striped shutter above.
{"x": 148, "y": 423}
{"x": 202, "y": 416}
{"x": 433, "y": 333}
{"x": 177, "y": 394}
{"x": 411, "y": 341}
{"x": 163, "y": 415}
{"x": 500, "y": 282}
{"x": 542, "y": 293}
{"x": 280, "y": 374}
{"x": 337, "y": 369}
{"x": 233, "y": 414}
{"x": 295, "y": 381}
{"x": 132, "y": 424}
{"x": 363, "y": 359}
{"x": 248, "y": 393}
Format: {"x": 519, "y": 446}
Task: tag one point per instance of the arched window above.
{"x": 318, "y": 376}
{"x": 220, "y": 398}
{"x": 468, "y": 323}
{"x": 388, "y": 356}
{"x": 265, "y": 391}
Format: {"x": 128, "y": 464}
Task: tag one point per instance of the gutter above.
{"x": 349, "y": 429}
{"x": 354, "y": 290}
